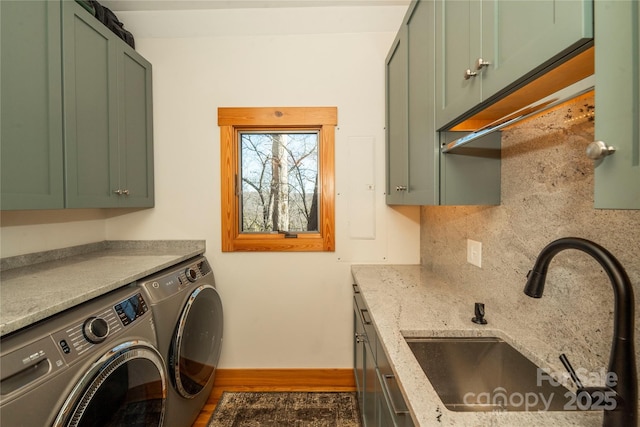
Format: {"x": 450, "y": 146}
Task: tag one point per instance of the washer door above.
{"x": 195, "y": 348}
{"x": 125, "y": 387}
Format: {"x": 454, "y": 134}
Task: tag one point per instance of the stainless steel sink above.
{"x": 486, "y": 374}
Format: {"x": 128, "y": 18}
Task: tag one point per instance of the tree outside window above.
{"x": 277, "y": 178}
{"x": 279, "y": 182}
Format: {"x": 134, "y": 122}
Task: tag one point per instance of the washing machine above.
{"x": 93, "y": 365}
{"x": 188, "y": 314}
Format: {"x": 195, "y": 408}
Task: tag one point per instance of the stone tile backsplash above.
{"x": 547, "y": 193}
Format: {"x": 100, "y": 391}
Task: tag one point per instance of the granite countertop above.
{"x": 408, "y": 300}
{"x": 36, "y": 286}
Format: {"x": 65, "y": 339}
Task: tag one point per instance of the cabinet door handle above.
{"x": 481, "y": 63}
{"x": 599, "y": 150}
{"x": 365, "y": 316}
{"x": 401, "y": 188}
{"x": 468, "y": 74}
{"x": 394, "y": 406}
{"x": 125, "y": 192}
{"x": 118, "y": 192}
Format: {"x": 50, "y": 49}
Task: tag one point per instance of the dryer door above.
{"x": 125, "y": 387}
{"x": 195, "y": 348}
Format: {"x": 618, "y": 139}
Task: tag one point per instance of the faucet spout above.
{"x": 622, "y": 359}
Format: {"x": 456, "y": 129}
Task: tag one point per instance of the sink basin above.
{"x": 486, "y": 374}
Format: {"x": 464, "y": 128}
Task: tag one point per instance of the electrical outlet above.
{"x": 474, "y": 253}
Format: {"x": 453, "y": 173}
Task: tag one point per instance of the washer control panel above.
{"x": 80, "y": 337}
{"x": 176, "y": 280}
{"x": 131, "y": 308}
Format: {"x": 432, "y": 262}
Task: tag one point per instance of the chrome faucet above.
{"x": 622, "y": 359}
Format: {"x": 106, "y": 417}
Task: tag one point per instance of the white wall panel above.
{"x": 362, "y": 188}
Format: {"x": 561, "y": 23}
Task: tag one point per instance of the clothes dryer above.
{"x": 94, "y": 365}
{"x": 188, "y": 314}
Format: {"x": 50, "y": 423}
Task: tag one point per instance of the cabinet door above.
{"x": 358, "y": 354}
{"x": 617, "y": 177}
{"x": 396, "y": 119}
{"x": 520, "y": 37}
{"x": 423, "y": 151}
{"x": 385, "y": 417}
{"x": 31, "y": 105}
{"x": 516, "y": 38}
{"x": 371, "y": 389}
{"x": 472, "y": 175}
{"x": 91, "y": 110}
{"x": 135, "y": 130}
{"x": 390, "y": 415}
{"x": 412, "y": 147}
{"x": 458, "y": 45}
{"x": 394, "y": 410}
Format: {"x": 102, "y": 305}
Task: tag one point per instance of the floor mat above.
{"x": 284, "y": 409}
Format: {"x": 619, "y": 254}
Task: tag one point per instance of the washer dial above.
{"x": 95, "y": 329}
{"x": 191, "y": 273}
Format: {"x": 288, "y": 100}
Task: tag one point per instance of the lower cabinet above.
{"x": 393, "y": 408}
{"x": 379, "y": 397}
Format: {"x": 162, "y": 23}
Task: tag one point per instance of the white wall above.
{"x": 281, "y": 309}
{"x": 24, "y": 232}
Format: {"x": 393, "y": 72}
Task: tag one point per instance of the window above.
{"x": 277, "y": 167}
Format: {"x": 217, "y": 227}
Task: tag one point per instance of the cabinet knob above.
{"x": 599, "y": 150}
{"x": 125, "y": 192}
{"x": 401, "y": 188}
{"x": 118, "y": 192}
{"x": 468, "y": 74}
{"x": 481, "y": 63}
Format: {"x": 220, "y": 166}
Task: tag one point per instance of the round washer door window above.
{"x": 195, "y": 349}
{"x": 126, "y": 387}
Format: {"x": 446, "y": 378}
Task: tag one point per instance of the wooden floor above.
{"x": 274, "y": 380}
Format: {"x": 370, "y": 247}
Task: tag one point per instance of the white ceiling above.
{"x": 134, "y": 5}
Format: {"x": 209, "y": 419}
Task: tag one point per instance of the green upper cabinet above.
{"x": 31, "y": 109}
{"x": 412, "y": 147}
{"x": 617, "y": 177}
{"x": 519, "y": 38}
{"x": 76, "y": 111}
{"x": 457, "y": 34}
{"x": 135, "y": 118}
{"x": 423, "y": 151}
{"x": 108, "y": 116}
{"x": 417, "y": 172}
{"x": 487, "y": 47}
{"x": 91, "y": 114}
{"x": 396, "y": 119}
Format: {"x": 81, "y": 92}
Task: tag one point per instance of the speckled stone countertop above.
{"x": 36, "y": 286}
{"x": 408, "y": 300}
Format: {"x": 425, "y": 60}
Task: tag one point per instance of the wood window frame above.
{"x": 232, "y": 121}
